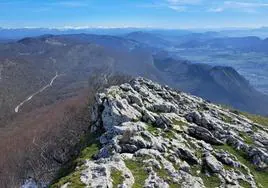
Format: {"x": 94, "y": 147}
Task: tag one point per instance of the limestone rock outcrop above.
{"x": 154, "y": 136}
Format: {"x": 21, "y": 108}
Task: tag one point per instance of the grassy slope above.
{"x": 256, "y": 118}
{"x": 260, "y": 176}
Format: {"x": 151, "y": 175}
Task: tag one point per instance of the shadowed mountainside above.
{"x": 218, "y": 84}
{"x": 29, "y": 64}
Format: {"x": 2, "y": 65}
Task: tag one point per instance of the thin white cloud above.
{"x": 150, "y": 5}
{"x": 239, "y": 6}
{"x": 178, "y": 8}
{"x": 184, "y": 2}
{"x": 175, "y": 5}
{"x": 214, "y": 6}
{"x": 216, "y": 9}
{"x": 71, "y": 4}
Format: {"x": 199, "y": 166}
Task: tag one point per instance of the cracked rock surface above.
{"x": 154, "y": 136}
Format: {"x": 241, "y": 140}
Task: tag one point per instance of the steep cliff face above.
{"x": 219, "y": 84}
{"x": 154, "y": 136}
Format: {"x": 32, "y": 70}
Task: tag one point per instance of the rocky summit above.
{"x": 148, "y": 135}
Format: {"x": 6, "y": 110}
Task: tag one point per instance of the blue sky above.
{"x": 134, "y": 13}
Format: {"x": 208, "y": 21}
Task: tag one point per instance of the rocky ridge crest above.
{"x": 154, "y": 136}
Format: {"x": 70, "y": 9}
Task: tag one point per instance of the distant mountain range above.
{"x": 213, "y": 40}
{"x": 29, "y": 64}
{"x": 153, "y": 40}
{"x": 18, "y": 33}
{"x": 238, "y": 39}
{"x": 248, "y": 44}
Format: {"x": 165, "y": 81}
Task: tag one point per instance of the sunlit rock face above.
{"x": 154, "y": 136}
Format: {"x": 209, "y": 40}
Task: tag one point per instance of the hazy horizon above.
{"x": 145, "y": 28}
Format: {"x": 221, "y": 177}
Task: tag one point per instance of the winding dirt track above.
{"x": 39, "y": 91}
